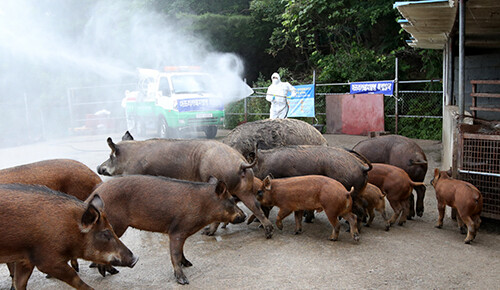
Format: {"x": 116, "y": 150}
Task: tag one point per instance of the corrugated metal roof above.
{"x": 430, "y": 22}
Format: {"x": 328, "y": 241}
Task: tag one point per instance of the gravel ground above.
{"x": 415, "y": 255}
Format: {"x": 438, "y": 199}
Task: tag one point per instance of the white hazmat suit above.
{"x": 277, "y": 94}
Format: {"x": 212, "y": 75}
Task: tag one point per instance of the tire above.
{"x": 164, "y": 130}
{"x": 211, "y": 132}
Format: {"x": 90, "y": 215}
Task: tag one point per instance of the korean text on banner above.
{"x": 384, "y": 87}
{"x": 302, "y": 105}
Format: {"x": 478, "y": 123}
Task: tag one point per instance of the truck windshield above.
{"x": 188, "y": 84}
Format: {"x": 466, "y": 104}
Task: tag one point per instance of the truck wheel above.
{"x": 211, "y": 132}
{"x": 163, "y": 129}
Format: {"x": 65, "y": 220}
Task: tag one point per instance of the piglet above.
{"x": 310, "y": 192}
{"x": 462, "y": 196}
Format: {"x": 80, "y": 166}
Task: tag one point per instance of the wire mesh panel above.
{"x": 481, "y": 167}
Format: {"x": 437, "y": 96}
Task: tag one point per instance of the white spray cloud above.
{"x": 70, "y": 42}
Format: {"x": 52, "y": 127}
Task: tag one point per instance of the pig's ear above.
{"x": 112, "y": 145}
{"x": 267, "y": 182}
{"x": 91, "y": 215}
{"x": 127, "y": 136}
{"x": 220, "y": 188}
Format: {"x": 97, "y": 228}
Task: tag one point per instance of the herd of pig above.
{"x": 60, "y": 210}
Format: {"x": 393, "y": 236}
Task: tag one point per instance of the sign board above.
{"x": 383, "y": 87}
{"x": 302, "y": 105}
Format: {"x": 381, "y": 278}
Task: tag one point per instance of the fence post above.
{"x": 396, "y": 93}
{"x": 246, "y": 112}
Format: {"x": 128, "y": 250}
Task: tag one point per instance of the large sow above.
{"x": 44, "y": 228}
{"x": 176, "y": 207}
{"x": 404, "y": 153}
{"x": 194, "y": 160}
{"x": 65, "y": 175}
{"x": 272, "y": 133}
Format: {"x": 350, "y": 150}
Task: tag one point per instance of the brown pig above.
{"x": 176, "y": 207}
{"x": 375, "y": 200}
{"x": 310, "y": 192}
{"x": 462, "y": 196}
{"x": 395, "y": 183}
{"x": 64, "y": 175}
{"x": 44, "y": 228}
{"x": 194, "y": 160}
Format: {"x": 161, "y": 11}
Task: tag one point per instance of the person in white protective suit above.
{"x": 277, "y": 95}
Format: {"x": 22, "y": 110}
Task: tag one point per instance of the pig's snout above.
{"x": 128, "y": 260}
{"x": 241, "y": 217}
{"x": 102, "y": 170}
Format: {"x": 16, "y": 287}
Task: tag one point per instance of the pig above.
{"x": 310, "y": 192}
{"x": 44, "y": 228}
{"x": 272, "y": 133}
{"x": 347, "y": 167}
{"x": 65, "y": 175}
{"x": 404, "y": 153}
{"x": 397, "y": 186}
{"x": 194, "y": 160}
{"x": 462, "y": 196}
{"x": 178, "y": 208}
{"x": 374, "y": 200}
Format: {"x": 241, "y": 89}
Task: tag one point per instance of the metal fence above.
{"x": 414, "y": 111}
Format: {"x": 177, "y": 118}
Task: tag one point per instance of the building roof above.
{"x": 431, "y": 22}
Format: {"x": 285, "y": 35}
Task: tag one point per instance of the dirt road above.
{"x": 416, "y": 255}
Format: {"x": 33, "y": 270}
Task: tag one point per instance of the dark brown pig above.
{"x": 176, "y": 207}
{"x": 462, "y": 196}
{"x": 311, "y": 192}
{"x": 65, "y": 175}
{"x": 44, "y": 228}
{"x": 272, "y": 133}
{"x": 374, "y": 200}
{"x": 402, "y": 152}
{"x": 195, "y": 160}
{"x": 397, "y": 186}
{"x": 348, "y": 168}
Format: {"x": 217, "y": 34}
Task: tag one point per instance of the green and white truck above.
{"x": 176, "y": 99}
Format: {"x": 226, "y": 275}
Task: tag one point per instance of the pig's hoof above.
{"x": 387, "y": 228}
{"x": 401, "y": 224}
{"x": 356, "y": 238}
{"x": 420, "y": 213}
{"x": 112, "y": 270}
{"x": 298, "y": 232}
{"x": 102, "y": 270}
{"x": 438, "y": 226}
{"x": 186, "y": 263}
{"x": 208, "y": 232}
{"x": 367, "y": 225}
{"x": 46, "y": 276}
{"x": 181, "y": 279}
{"x": 467, "y": 241}
{"x": 409, "y": 217}
{"x": 269, "y": 231}
{"x": 93, "y": 265}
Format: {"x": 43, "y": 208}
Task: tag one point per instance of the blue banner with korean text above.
{"x": 384, "y": 87}
{"x": 302, "y": 105}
